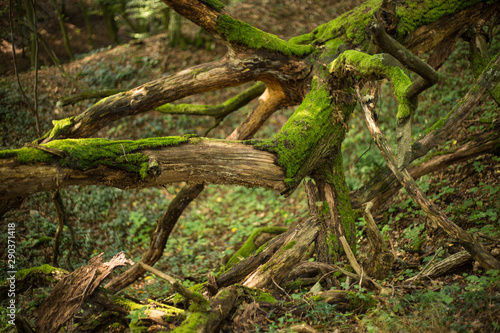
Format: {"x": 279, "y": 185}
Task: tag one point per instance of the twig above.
{"x": 124, "y": 153}
{"x": 283, "y": 290}
{"x": 423, "y": 270}
{"x": 177, "y": 286}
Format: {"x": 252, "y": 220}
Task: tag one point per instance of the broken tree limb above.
{"x": 280, "y": 264}
{"x": 474, "y": 247}
{"x": 202, "y": 78}
{"x": 217, "y": 111}
{"x": 178, "y": 287}
{"x": 70, "y": 292}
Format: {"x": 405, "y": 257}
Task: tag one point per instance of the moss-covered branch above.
{"x": 197, "y": 79}
{"x": 141, "y": 163}
{"x": 313, "y": 132}
{"x": 218, "y": 111}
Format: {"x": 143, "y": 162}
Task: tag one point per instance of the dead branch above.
{"x": 439, "y": 134}
{"x": 195, "y": 80}
{"x": 473, "y": 247}
{"x": 68, "y": 295}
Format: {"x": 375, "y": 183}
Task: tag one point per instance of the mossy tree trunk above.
{"x": 319, "y": 72}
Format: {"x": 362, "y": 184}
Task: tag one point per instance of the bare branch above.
{"x": 473, "y": 247}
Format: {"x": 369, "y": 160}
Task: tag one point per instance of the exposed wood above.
{"x": 187, "y": 194}
{"x": 202, "y": 78}
{"x": 290, "y": 253}
{"x": 474, "y": 247}
{"x": 380, "y": 260}
{"x": 449, "y": 263}
{"x": 67, "y": 296}
{"x": 337, "y": 225}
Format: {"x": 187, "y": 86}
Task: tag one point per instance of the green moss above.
{"x": 128, "y": 304}
{"x": 193, "y": 323}
{"x": 309, "y": 133}
{"x": 376, "y": 66}
{"x": 169, "y": 310}
{"x": 316, "y": 298}
{"x": 44, "y": 269}
{"x": 84, "y": 154}
{"x": 350, "y": 26}
{"x": 61, "y": 127}
{"x": 198, "y": 288}
{"x": 297, "y": 284}
{"x": 415, "y": 14}
{"x": 243, "y": 33}
{"x": 343, "y": 200}
{"x": 261, "y": 248}
{"x": 260, "y": 296}
{"x": 288, "y": 245}
{"x": 215, "y": 4}
{"x": 249, "y": 246}
{"x": 29, "y": 155}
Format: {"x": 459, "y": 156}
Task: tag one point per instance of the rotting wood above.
{"x": 70, "y": 292}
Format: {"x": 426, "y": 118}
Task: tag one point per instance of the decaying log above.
{"x": 444, "y": 266}
{"x": 66, "y": 298}
{"x": 288, "y": 256}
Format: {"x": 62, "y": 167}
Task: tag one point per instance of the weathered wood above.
{"x": 380, "y": 259}
{"x": 447, "y": 264}
{"x": 286, "y": 257}
{"x": 67, "y": 296}
{"x": 188, "y": 193}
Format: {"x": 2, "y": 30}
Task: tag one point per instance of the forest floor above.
{"x": 213, "y": 227}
